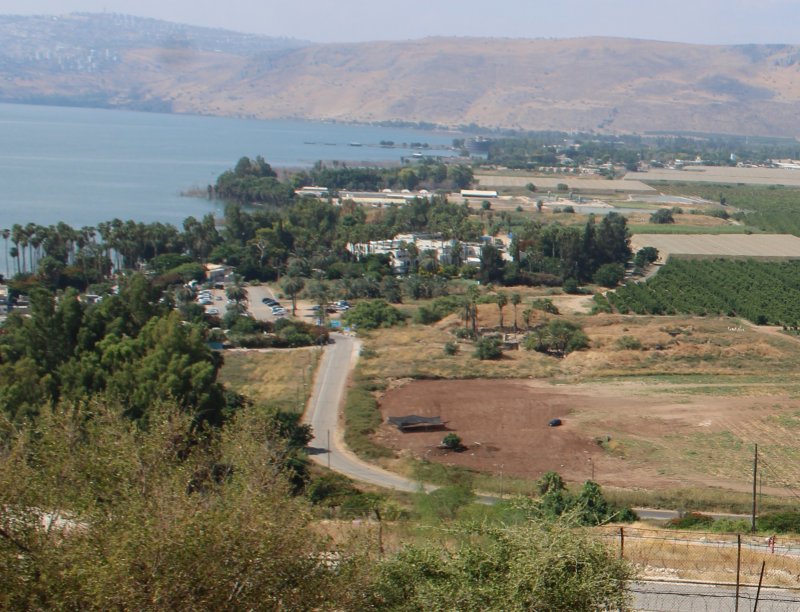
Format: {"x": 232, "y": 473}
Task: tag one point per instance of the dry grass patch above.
{"x": 682, "y": 408}
{"x": 711, "y": 557}
{"x": 277, "y": 378}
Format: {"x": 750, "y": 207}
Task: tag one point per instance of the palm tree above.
{"x": 20, "y": 240}
{"x": 235, "y": 291}
{"x": 502, "y": 300}
{"x": 516, "y": 300}
{"x": 472, "y": 300}
{"x": 527, "y": 315}
{"x": 292, "y": 285}
{"x": 319, "y": 292}
{"x": 14, "y": 251}
{"x": 6, "y": 234}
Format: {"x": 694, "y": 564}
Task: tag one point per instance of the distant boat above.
{"x": 355, "y": 144}
{"x": 416, "y": 154}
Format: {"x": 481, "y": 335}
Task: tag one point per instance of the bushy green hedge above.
{"x": 437, "y": 310}
{"x": 372, "y": 314}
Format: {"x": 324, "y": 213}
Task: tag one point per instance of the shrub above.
{"x": 452, "y": 441}
{"x": 780, "y": 522}
{"x": 609, "y": 275}
{"x": 464, "y": 334}
{"x": 601, "y": 304}
{"x": 488, "y": 348}
{"x": 691, "y": 520}
{"x": 571, "y": 286}
{"x": 645, "y": 256}
{"x": 557, "y": 338}
{"x": 438, "y": 309}
{"x": 545, "y": 304}
{"x": 450, "y": 348}
{"x": 628, "y": 343}
{"x": 663, "y": 215}
{"x": 372, "y": 314}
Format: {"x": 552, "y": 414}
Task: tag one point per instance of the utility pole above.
{"x": 755, "y": 476}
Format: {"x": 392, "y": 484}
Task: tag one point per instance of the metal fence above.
{"x": 690, "y": 570}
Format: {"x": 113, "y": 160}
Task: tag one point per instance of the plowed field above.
{"x": 631, "y": 434}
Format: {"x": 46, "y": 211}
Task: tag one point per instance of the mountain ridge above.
{"x": 589, "y": 84}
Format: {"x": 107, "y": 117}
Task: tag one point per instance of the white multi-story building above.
{"x": 447, "y": 251}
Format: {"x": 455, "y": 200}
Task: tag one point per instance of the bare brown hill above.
{"x": 605, "y": 84}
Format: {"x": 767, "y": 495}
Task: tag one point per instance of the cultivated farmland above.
{"x": 776, "y": 246}
{"x": 656, "y": 403}
{"x": 720, "y": 174}
{"x": 593, "y": 185}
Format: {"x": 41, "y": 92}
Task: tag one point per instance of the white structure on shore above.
{"x": 446, "y": 251}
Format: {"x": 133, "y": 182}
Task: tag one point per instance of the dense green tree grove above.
{"x": 128, "y": 347}
{"x": 569, "y": 251}
{"x": 762, "y": 292}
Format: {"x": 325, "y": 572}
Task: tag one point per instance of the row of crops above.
{"x": 761, "y": 292}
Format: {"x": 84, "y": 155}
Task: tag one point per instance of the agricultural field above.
{"x": 655, "y": 403}
{"x": 551, "y": 182}
{"x": 776, "y": 246}
{"x": 719, "y": 174}
{"x": 622, "y": 434}
{"x": 761, "y": 292}
{"x": 773, "y": 208}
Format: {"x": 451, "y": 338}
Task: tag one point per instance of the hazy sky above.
{"x": 698, "y": 21}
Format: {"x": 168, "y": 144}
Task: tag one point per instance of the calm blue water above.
{"x": 84, "y": 166}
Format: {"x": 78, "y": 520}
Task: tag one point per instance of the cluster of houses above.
{"x": 402, "y": 248}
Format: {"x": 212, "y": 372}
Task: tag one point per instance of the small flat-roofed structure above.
{"x": 317, "y": 192}
{"x": 476, "y": 193}
{"x": 412, "y": 421}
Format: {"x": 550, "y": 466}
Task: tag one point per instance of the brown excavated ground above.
{"x": 656, "y": 441}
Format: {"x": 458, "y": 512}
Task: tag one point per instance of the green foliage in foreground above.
{"x": 535, "y": 566}
{"x": 155, "y": 519}
{"x": 97, "y": 513}
{"x": 762, "y": 292}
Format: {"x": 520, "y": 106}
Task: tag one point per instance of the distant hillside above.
{"x": 603, "y": 84}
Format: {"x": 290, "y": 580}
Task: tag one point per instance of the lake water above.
{"x": 84, "y": 166}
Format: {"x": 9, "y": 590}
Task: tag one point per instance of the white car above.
{"x": 212, "y": 311}
{"x": 204, "y": 301}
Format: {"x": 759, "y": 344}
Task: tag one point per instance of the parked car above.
{"x": 204, "y": 301}
{"x": 212, "y": 311}
{"x": 270, "y": 301}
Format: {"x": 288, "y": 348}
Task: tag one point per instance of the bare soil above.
{"x": 628, "y": 435}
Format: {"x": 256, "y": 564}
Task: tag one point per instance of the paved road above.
{"x": 691, "y": 597}
{"x": 323, "y": 413}
{"x": 654, "y": 514}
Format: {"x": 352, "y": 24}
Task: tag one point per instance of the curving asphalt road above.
{"x": 323, "y": 413}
